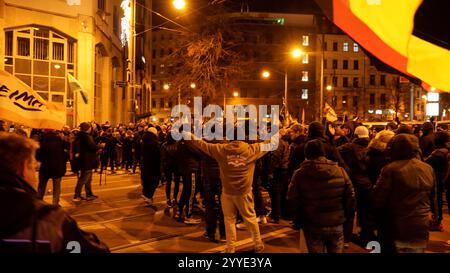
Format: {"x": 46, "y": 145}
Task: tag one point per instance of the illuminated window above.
{"x": 305, "y": 58}
{"x": 345, "y": 47}
{"x": 305, "y": 77}
{"x": 305, "y": 40}
{"x": 304, "y": 94}
{"x": 355, "y": 47}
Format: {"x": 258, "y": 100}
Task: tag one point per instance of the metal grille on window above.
{"x": 9, "y": 43}
{"x": 41, "y": 49}
{"x": 23, "y": 46}
{"x": 58, "y": 51}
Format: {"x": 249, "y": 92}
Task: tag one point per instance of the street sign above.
{"x": 121, "y": 83}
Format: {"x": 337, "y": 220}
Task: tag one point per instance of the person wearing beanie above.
{"x": 315, "y": 131}
{"x": 376, "y": 154}
{"x": 87, "y": 161}
{"x": 321, "y": 197}
{"x": 354, "y": 156}
{"x": 426, "y": 141}
{"x": 401, "y": 198}
{"x": 439, "y": 161}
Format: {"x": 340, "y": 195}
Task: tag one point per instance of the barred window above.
{"x": 23, "y": 46}
{"x": 58, "y": 51}
{"x": 9, "y": 43}
{"x": 41, "y": 48}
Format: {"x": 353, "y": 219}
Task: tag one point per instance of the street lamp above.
{"x": 235, "y": 94}
{"x": 193, "y": 85}
{"x": 296, "y": 53}
{"x": 265, "y": 74}
{"x": 166, "y": 86}
{"x": 179, "y": 4}
{"x": 329, "y": 87}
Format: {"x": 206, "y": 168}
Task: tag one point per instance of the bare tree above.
{"x": 210, "y": 56}
{"x": 397, "y": 96}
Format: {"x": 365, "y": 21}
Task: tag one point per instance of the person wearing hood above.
{"x": 53, "y": 160}
{"x": 321, "y": 197}
{"x": 354, "y": 155}
{"x": 316, "y": 131}
{"x": 439, "y": 160}
{"x": 237, "y": 164}
{"x": 376, "y": 155}
{"x": 426, "y": 141}
{"x": 150, "y": 164}
{"x": 297, "y": 139}
{"x": 401, "y": 198}
{"x": 29, "y": 224}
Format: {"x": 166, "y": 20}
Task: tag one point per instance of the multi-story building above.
{"x": 42, "y": 41}
{"x": 354, "y": 87}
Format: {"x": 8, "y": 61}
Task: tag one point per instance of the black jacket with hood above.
{"x": 31, "y": 225}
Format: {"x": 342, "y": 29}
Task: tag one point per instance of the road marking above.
{"x": 106, "y": 190}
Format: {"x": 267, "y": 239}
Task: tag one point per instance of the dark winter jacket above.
{"x": 52, "y": 156}
{"x": 320, "y": 194}
{"x": 427, "y": 143}
{"x": 88, "y": 159}
{"x": 296, "y": 154}
{"x": 401, "y": 197}
{"x": 439, "y": 160}
{"x": 31, "y": 225}
{"x": 187, "y": 158}
{"x": 150, "y": 152}
{"x": 354, "y": 155}
{"x": 279, "y": 159}
{"x": 169, "y": 155}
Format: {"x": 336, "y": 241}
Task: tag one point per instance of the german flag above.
{"x": 411, "y": 36}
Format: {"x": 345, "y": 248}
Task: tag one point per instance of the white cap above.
{"x": 362, "y": 132}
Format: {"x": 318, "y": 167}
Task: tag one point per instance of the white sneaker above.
{"x": 148, "y": 200}
{"x": 262, "y": 220}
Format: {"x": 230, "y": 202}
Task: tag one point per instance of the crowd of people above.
{"x": 321, "y": 178}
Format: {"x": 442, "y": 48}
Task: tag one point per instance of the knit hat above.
{"x": 153, "y": 131}
{"x": 315, "y": 130}
{"x": 362, "y": 132}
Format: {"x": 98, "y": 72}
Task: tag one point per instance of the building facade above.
{"x": 45, "y": 40}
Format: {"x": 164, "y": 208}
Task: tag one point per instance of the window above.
{"x": 345, "y": 64}
{"x": 372, "y": 79}
{"x": 325, "y": 81}
{"x": 383, "y": 80}
{"x": 9, "y": 43}
{"x": 383, "y": 99}
{"x": 154, "y": 53}
{"x": 304, "y": 94}
{"x": 335, "y": 46}
{"x": 305, "y": 58}
{"x": 344, "y": 99}
{"x": 305, "y": 40}
{"x": 305, "y": 77}
{"x": 161, "y": 52}
{"x": 356, "y": 65}
{"x": 58, "y": 51}
{"x": 335, "y": 81}
{"x": 345, "y": 82}
{"x": 161, "y": 103}
{"x": 153, "y": 69}
{"x": 372, "y": 99}
{"x": 23, "y": 46}
{"x": 335, "y": 64}
{"x": 153, "y": 103}
{"x": 325, "y": 64}
{"x": 41, "y": 48}
{"x": 355, "y": 47}
{"x": 345, "y": 47}
{"x": 325, "y": 46}
{"x": 355, "y": 101}
{"x": 101, "y": 4}
{"x": 355, "y": 82}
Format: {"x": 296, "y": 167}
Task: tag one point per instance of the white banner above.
{"x": 20, "y": 104}
{"x": 329, "y": 113}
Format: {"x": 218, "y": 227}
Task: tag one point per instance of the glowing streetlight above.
{"x": 329, "y": 87}
{"x": 193, "y": 85}
{"x": 265, "y": 74}
{"x": 179, "y": 4}
{"x": 166, "y": 86}
{"x": 424, "y": 97}
{"x": 236, "y": 94}
{"x": 296, "y": 53}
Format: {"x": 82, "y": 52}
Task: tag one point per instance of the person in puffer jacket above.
{"x": 376, "y": 155}
{"x": 401, "y": 198}
{"x": 321, "y": 197}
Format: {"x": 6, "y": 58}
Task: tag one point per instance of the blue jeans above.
{"x": 56, "y": 188}
{"x": 86, "y": 181}
{"x": 324, "y": 239}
